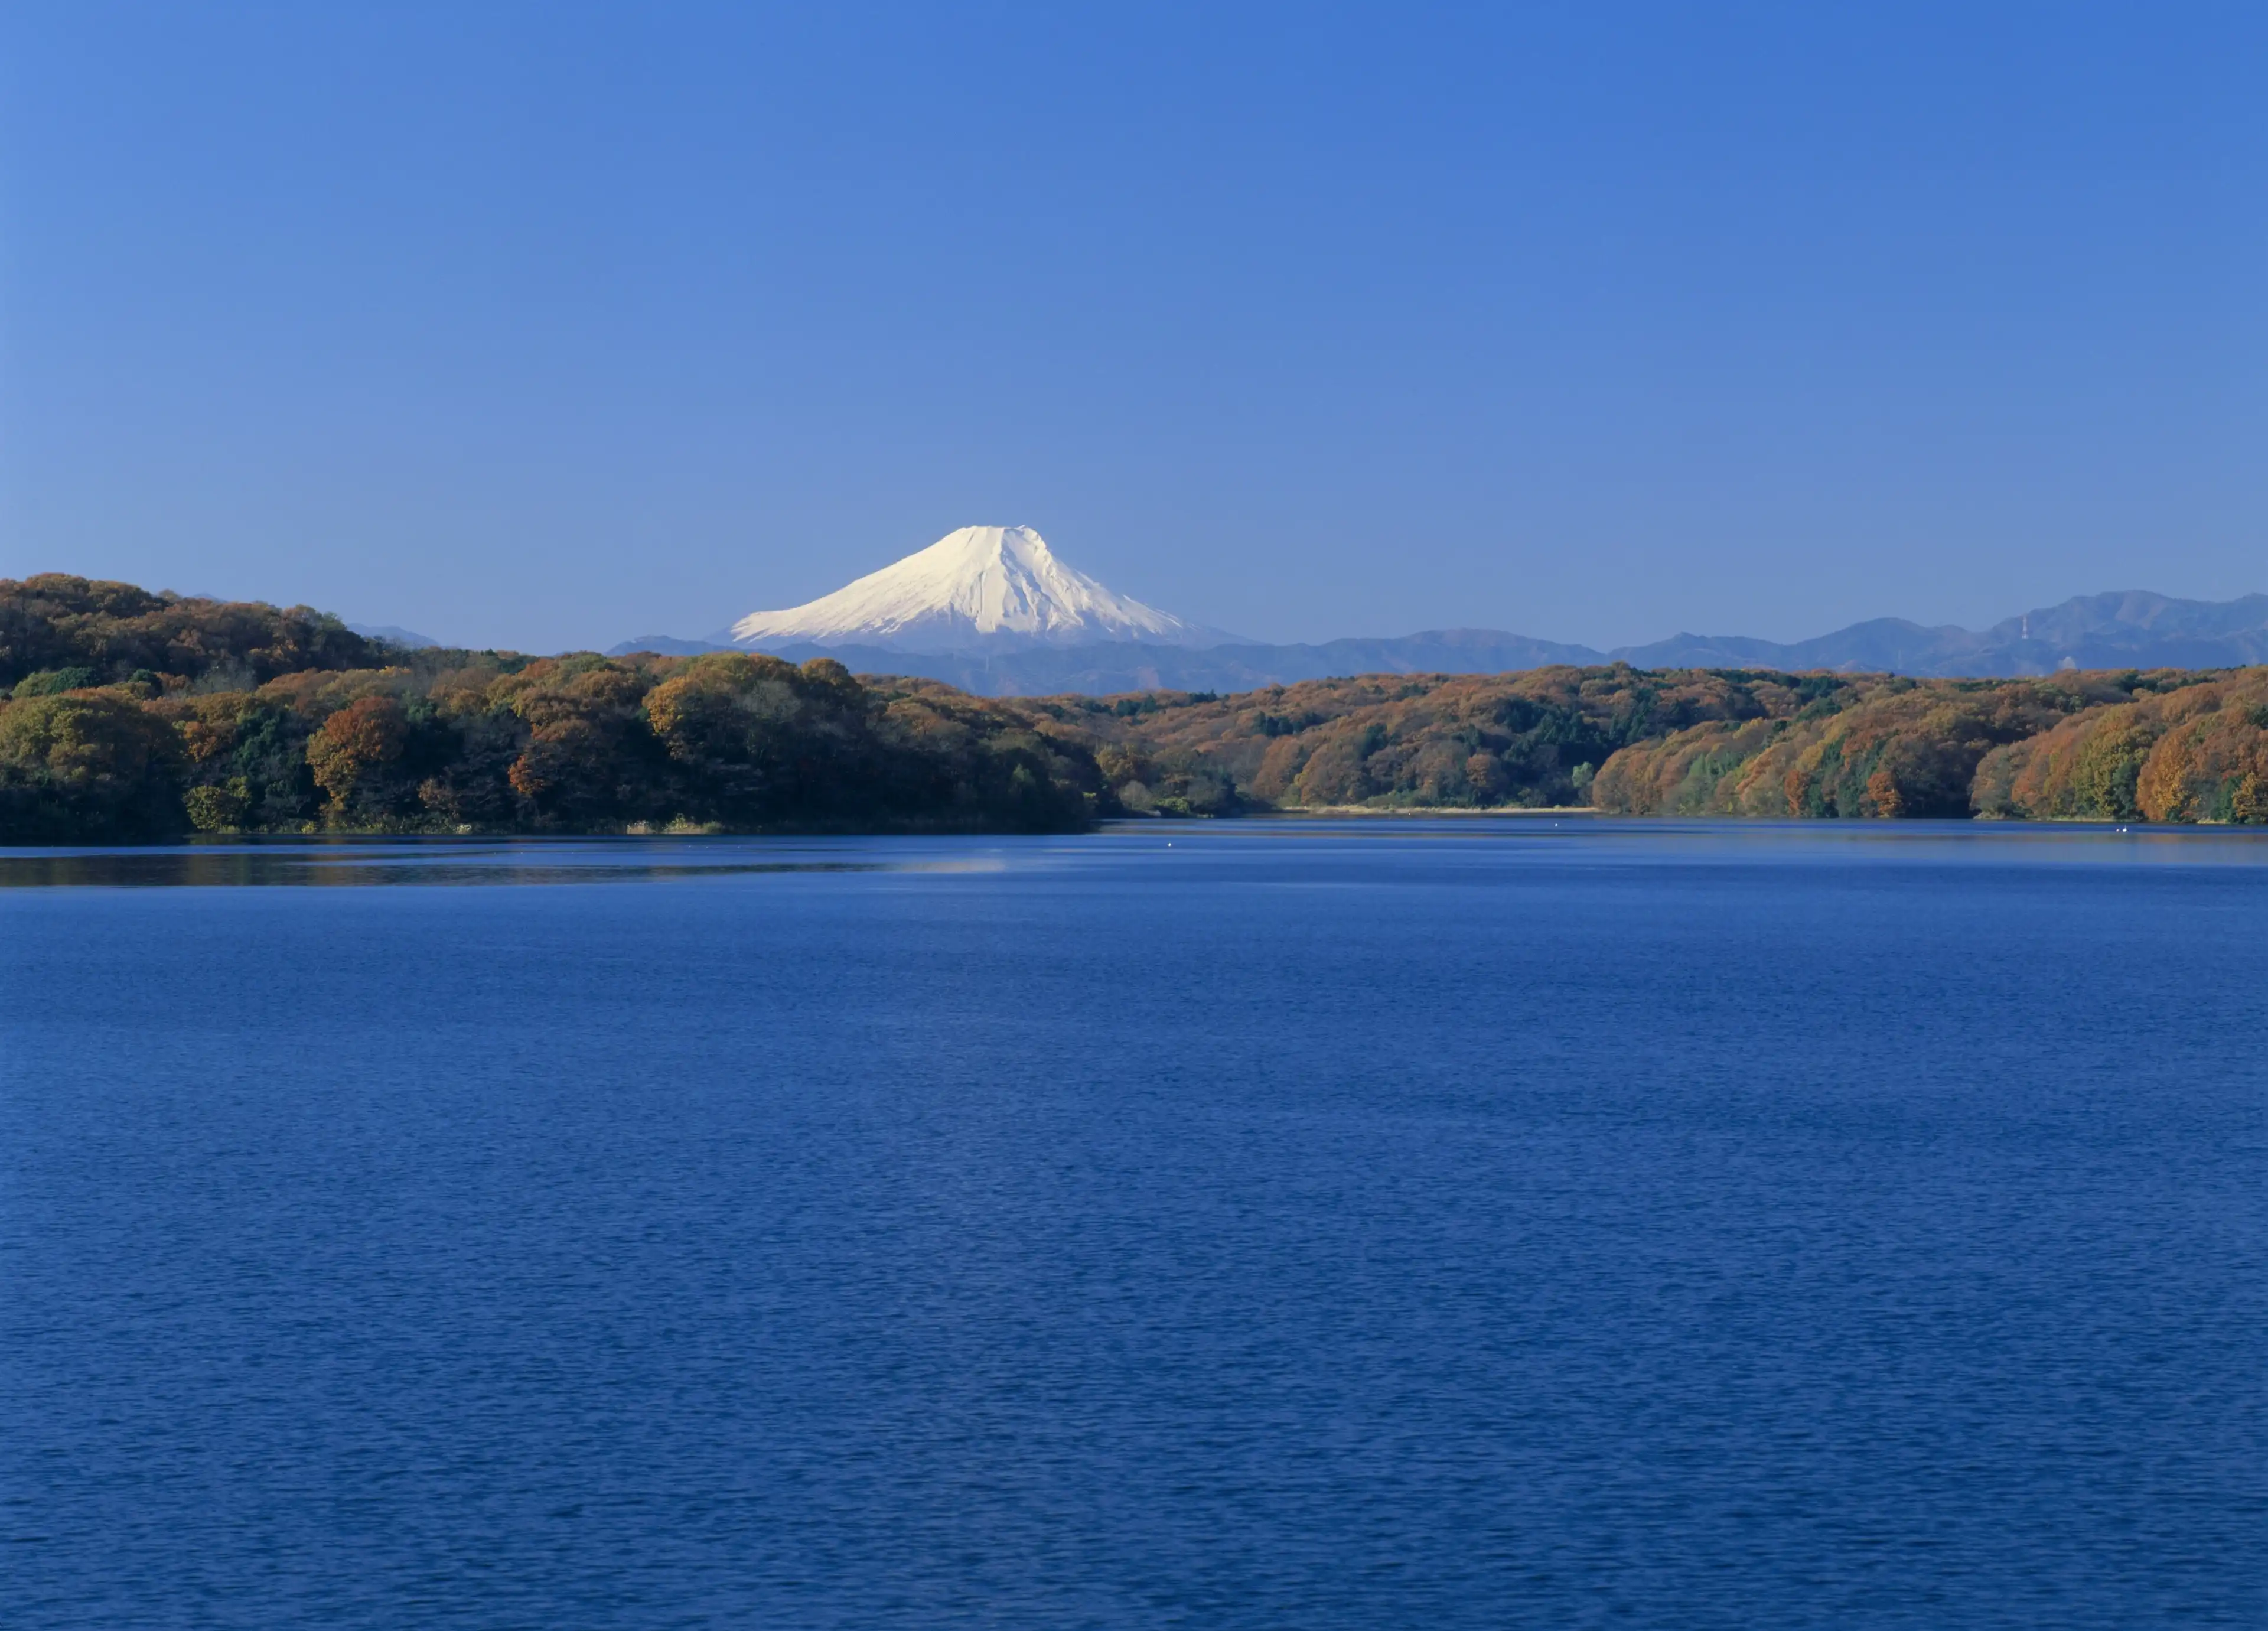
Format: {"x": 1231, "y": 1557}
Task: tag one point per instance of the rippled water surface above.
{"x": 1431, "y": 1224}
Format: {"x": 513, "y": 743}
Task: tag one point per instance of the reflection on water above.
{"x": 432, "y": 862}
{"x": 1519, "y": 840}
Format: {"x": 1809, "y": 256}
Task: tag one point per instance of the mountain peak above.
{"x": 975, "y": 588}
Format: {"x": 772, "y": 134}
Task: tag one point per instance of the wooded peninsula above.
{"x": 134, "y": 716}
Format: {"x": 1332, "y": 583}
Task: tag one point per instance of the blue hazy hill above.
{"x": 2129, "y": 629}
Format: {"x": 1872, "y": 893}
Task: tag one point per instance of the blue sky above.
{"x": 549, "y": 325}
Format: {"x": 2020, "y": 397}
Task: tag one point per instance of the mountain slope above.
{"x": 981, "y": 588}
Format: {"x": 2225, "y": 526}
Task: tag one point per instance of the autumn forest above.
{"x": 130, "y": 716}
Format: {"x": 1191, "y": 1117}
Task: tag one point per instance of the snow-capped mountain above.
{"x": 981, "y": 588}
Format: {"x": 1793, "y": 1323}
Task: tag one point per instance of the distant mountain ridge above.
{"x": 2128, "y": 629}
{"x": 395, "y": 634}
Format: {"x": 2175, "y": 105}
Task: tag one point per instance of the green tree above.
{"x": 88, "y": 766}
{"x": 2108, "y": 775}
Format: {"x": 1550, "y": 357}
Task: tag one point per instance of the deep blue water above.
{"x": 1447, "y": 1224}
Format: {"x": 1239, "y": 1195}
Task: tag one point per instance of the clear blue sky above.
{"x": 547, "y": 325}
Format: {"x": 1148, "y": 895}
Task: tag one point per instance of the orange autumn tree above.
{"x": 359, "y": 738}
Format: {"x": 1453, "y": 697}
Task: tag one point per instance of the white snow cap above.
{"x": 981, "y": 586}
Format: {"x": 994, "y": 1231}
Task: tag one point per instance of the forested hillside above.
{"x": 130, "y": 716}
{"x": 226, "y": 734}
{"x": 75, "y": 631}
{"x": 2170, "y": 745}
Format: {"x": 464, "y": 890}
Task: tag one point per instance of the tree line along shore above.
{"x": 134, "y": 716}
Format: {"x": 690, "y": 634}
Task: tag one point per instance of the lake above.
{"x": 1270, "y": 1224}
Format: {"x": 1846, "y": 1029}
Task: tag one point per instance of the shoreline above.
{"x": 1430, "y": 811}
